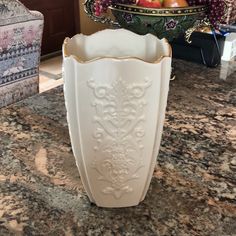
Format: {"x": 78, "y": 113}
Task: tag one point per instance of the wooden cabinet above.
{"x": 61, "y": 19}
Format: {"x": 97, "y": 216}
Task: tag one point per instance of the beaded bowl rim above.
{"x": 175, "y": 11}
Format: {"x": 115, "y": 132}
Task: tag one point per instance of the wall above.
{"x": 87, "y": 26}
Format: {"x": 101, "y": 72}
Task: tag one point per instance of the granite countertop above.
{"x": 193, "y": 190}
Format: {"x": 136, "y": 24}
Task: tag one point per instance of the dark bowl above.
{"x": 166, "y": 23}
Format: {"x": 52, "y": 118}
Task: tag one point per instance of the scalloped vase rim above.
{"x": 83, "y": 37}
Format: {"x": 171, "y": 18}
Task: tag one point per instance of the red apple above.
{"x": 175, "y": 3}
{"x": 149, "y": 3}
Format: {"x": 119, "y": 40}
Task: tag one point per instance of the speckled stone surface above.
{"x": 193, "y": 190}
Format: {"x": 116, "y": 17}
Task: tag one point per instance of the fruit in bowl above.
{"x": 149, "y": 3}
{"x": 175, "y": 3}
{"x": 161, "y": 3}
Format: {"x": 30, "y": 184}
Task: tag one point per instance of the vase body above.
{"x": 116, "y": 86}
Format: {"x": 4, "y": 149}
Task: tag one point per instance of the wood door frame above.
{"x": 75, "y": 19}
{"x": 77, "y": 16}
{"x": 77, "y": 30}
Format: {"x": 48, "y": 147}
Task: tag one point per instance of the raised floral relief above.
{"x": 120, "y": 112}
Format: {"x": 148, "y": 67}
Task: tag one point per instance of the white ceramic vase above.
{"x": 116, "y": 85}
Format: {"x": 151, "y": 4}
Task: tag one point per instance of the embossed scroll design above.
{"x": 119, "y": 116}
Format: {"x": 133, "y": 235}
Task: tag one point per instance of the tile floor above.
{"x": 50, "y": 73}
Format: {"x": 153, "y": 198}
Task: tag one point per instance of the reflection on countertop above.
{"x": 193, "y": 190}
{"x": 227, "y": 68}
